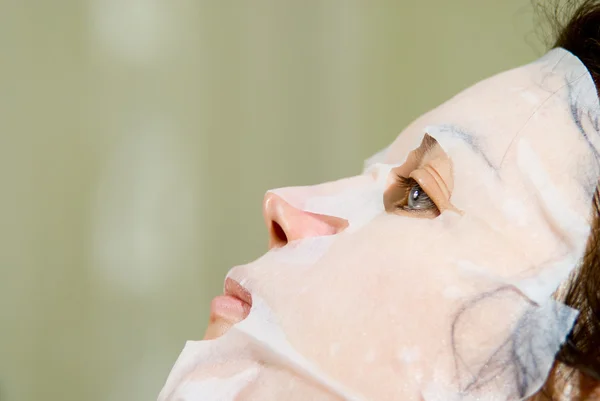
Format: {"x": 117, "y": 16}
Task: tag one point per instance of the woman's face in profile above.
{"x": 412, "y": 273}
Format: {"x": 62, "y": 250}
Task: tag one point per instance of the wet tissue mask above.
{"x": 459, "y": 307}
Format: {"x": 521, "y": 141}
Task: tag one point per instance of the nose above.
{"x": 287, "y": 223}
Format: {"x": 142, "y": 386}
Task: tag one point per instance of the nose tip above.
{"x": 287, "y": 223}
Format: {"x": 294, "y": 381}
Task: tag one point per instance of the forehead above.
{"x": 546, "y": 102}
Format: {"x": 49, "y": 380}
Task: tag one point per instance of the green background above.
{"x": 137, "y": 138}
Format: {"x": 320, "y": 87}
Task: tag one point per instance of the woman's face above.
{"x": 419, "y": 277}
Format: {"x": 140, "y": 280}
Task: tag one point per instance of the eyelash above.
{"x": 409, "y": 186}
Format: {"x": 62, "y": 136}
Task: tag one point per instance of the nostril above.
{"x": 278, "y": 233}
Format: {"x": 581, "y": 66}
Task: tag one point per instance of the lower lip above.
{"x": 229, "y": 308}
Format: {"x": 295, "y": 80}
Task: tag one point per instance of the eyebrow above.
{"x": 578, "y": 113}
{"x": 471, "y": 140}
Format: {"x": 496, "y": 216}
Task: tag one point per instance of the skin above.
{"x": 427, "y": 291}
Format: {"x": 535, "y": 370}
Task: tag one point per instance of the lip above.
{"x": 233, "y": 306}
{"x": 235, "y": 289}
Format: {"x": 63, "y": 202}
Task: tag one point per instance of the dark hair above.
{"x": 581, "y": 36}
{"x": 580, "y": 354}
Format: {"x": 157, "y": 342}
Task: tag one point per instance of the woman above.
{"x": 462, "y": 264}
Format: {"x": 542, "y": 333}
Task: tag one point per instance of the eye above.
{"x": 418, "y": 199}
{"x": 415, "y": 198}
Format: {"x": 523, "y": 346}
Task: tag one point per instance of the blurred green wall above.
{"x": 137, "y": 138}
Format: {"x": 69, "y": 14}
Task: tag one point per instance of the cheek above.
{"x": 380, "y": 302}
{"x": 390, "y": 263}
{"x": 379, "y": 307}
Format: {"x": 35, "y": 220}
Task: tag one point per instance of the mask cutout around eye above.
{"x": 422, "y": 186}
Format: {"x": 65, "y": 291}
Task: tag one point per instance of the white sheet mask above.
{"x": 377, "y": 158}
{"x": 397, "y": 306}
